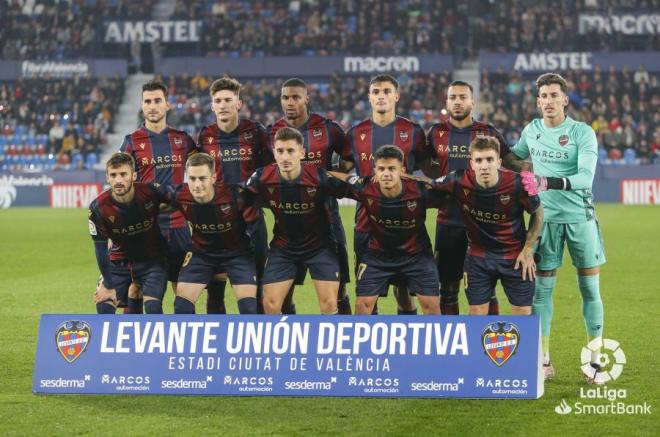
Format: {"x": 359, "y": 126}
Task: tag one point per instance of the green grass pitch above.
{"x": 47, "y": 266}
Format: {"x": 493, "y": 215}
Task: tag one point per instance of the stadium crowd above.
{"x": 38, "y": 29}
{"x": 56, "y": 123}
{"x": 71, "y": 117}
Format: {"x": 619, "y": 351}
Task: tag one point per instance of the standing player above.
{"x": 220, "y": 241}
{"x": 450, "y": 140}
{"x": 564, "y": 154}
{"x": 398, "y": 245}
{"x": 297, "y": 195}
{"x": 383, "y": 128}
{"x": 321, "y": 138}
{"x": 127, "y": 214}
{"x": 160, "y": 154}
{"x": 239, "y": 146}
{"x": 493, "y": 201}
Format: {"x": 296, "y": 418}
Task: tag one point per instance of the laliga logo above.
{"x": 611, "y": 361}
{"x": 72, "y": 338}
{"x": 7, "y": 195}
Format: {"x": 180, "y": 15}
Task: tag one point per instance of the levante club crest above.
{"x": 72, "y": 338}
{"x": 500, "y": 341}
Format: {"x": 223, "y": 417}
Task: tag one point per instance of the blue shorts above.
{"x": 360, "y": 246}
{"x": 376, "y": 271}
{"x": 282, "y": 264}
{"x": 481, "y": 275}
{"x": 199, "y": 268}
{"x": 450, "y": 249}
{"x": 339, "y": 237}
{"x": 178, "y": 244}
{"x": 151, "y": 276}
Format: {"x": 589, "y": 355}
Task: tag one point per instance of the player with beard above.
{"x": 127, "y": 213}
{"x": 451, "y": 140}
{"x": 160, "y": 153}
{"x": 321, "y": 139}
{"x": 384, "y": 127}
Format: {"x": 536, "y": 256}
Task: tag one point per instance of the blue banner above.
{"x": 308, "y": 66}
{"x": 557, "y": 61}
{"x": 377, "y": 356}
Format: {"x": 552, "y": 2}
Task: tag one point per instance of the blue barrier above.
{"x": 377, "y": 356}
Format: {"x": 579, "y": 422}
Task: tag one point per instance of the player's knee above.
{"x": 153, "y": 306}
{"x": 182, "y": 306}
{"x": 450, "y": 288}
{"x": 272, "y": 306}
{"x": 106, "y": 307}
{"x": 247, "y": 305}
{"x": 430, "y": 305}
{"x": 134, "y": 291}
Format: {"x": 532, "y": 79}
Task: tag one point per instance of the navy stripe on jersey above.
{"x": 397, "y": 225}
{"x": 238, "y": 153}
{"x": 302, "y": 220}
{"x": 160, "y": 157}
{"x": 451, "y": 147}
{"x": 493, "y": 217}
{"x": 321, "y": 137}
{"x": 132, "y": 227}
{"x": 366, "y": 137}
{"x": 218, "y": 226}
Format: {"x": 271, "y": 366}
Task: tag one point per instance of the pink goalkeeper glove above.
{"x": 532, "y": 183}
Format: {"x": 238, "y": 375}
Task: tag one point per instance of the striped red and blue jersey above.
{"x": 451, "y": 148}
{"x": 161, "y": 158}
{"x": 300, "y": 207}
{"x": 494, "y": 217}
{"x": 366, "y": 137}
{"x": 132, "y": 226}
{"x": 397, "y": 225}
{"x": 238, "y": 153}
{"x": 219, "y": 226}
{"x": 321, "y": 137}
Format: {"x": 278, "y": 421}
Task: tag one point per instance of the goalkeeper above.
{"x": 564, "y": 154}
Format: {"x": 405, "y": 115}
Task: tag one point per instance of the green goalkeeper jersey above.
{"x": 569, "y": 150}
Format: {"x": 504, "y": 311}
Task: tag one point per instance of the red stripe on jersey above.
{"x": 144, "y": 156}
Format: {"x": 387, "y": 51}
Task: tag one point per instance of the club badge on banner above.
{"x": 380, "y": 356}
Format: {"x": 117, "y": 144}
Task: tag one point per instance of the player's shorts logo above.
{"x": 563, "y": 140}
{"x": 403, "y": 135}
{"x": 317, "y": 133}
{"x": 72, "y": 338}
{"x": 500, "y": 341}
{"x": 611, "y": 361}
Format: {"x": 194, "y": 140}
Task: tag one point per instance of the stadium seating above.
{"x": 38, "y": 115}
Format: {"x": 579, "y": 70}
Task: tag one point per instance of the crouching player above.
{"x": 297, "y": 195}
{"x": 127, "y": 213}
{"x": 492, "y": 201}
{"x": 398, "y": 245}
{"x": 220, "y": 240}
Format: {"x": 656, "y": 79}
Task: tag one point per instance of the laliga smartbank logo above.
{"x": 602, "y": 399}
{"x": 611, "y": 361}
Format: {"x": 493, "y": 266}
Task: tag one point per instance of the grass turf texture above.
{"x": 47, "y": 266}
